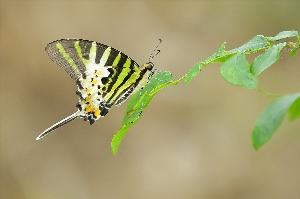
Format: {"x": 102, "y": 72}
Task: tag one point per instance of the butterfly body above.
{"x": 104, "y": 76}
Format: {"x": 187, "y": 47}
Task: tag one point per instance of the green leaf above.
{"x": 216, "y": 57}
{"x": 119, "y": 135}
{"x": 264, "y": 61}
{"x": 134, "y": 108}
{"x": 294, "y": 111}
{"x": 270, "y": 119}
{"x": 255, "y": 44}
{"x": 236, "y": 70}
{"x": 193, "y": 72}
{"x": 139, "y": 102}
{"x": 283, "y": 35}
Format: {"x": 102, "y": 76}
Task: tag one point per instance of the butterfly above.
{"x": 104, "y": 76}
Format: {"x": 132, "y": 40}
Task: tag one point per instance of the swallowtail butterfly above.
{"x": 104, "y": 76}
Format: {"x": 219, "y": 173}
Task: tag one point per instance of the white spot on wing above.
{"x": 105, "y": 56}
{"x": 93, "y": 51}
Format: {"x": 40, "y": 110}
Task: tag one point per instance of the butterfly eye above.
{"x": 150, "y": 66}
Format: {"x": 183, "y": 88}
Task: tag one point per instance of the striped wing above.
{"x": 75, "y": 55}
{"x": 104, "y": 76}
{"x": 81, "y": 58}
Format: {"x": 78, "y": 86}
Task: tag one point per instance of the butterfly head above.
{"x": 148, "y": 66}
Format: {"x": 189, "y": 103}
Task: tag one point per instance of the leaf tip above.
{"x": 255, "y": 143}
{"x": 114, "y": 147}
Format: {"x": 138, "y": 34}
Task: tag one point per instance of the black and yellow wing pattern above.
{"x": 104, "y": 76}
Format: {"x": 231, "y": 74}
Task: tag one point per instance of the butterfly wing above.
{"x": 80, "y": 58}
{"x": 64, "y": 53}
{"x": 104, "y": 76}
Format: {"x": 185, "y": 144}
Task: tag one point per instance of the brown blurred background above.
{"x": 194, "y": 141}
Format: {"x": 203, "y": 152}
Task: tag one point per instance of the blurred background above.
{"x": 193, "y": 141}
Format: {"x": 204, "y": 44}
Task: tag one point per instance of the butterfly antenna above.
{"x": 156, "y": 51}
{"x": 59, "y": 124}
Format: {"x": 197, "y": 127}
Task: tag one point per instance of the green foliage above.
{"x": 264, "y": 61}
{"x": 272, "y": 117}
{"x": 294, "y": 111}
{"x": 236, "y": 70}
{"x": 139, "y": 102}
